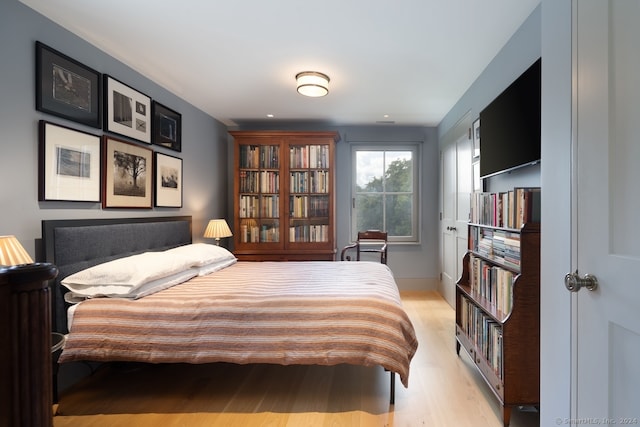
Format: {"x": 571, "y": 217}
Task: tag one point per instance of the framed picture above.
{"x": 69, "y": 164}
{"x": 167, "y": 127}
{"x": 127, "y": 111}
{"x": 168, "y": 186}
{"x": 476, "y": 138}
{"x": 66, "y": 88}
{"x": 127, "y": 174}
{"x": 478, "y": 184}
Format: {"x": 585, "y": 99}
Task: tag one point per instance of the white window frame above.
{"x": 417, "y": 165}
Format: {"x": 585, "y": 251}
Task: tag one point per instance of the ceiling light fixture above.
{"x": 312, "y": 83}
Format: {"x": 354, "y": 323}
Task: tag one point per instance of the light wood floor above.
{"x": 444, "y": 390}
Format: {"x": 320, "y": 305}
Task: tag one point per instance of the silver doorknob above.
{"x": 574, "y": 282}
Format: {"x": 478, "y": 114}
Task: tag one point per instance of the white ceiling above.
{"x": 236, "y": 60}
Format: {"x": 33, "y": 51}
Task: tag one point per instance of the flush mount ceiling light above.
{"x": 312, "y": 83}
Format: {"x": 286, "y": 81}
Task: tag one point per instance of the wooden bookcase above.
{"x": 498, "y": 320}
{"x": 284, "y": 195}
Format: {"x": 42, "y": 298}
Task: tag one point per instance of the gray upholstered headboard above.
{"x": 73, "y": 245}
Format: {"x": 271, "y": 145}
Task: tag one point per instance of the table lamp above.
{"x": 217, "y": 229}
{"x": 12, "y": 253}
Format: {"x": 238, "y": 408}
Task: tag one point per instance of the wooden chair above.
{"x": 370, "y": 241}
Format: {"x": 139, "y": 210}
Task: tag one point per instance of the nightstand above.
{"x": 25, "y": 313}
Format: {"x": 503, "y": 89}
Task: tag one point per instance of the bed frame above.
{"x": 74, "y": 245}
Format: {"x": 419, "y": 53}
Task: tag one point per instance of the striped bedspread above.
{"x": 322, "y": 313}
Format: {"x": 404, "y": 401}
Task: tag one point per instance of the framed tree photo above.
{"x": 127, "y": 111}
{"x": 167, "y": 127}
{"x": 127, "y": 175}
{"x": 168, "y": 185}
{"x": 66, "y": 88}
{"x": 69, "y": 164}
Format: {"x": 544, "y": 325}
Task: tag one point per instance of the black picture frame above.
{"x": 168, "y": 181}
{"x": 167, "y": 127}
{"x": 69, "y": 164}
{"x": 66, "y": 88}
{"x": 127, "y": 111}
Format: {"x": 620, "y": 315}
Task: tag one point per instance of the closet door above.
{"x": 456, "y": 184}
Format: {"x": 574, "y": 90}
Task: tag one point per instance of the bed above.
{"x": 309, "y": 312}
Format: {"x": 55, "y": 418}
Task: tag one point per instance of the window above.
{"x": 385, "y": 191}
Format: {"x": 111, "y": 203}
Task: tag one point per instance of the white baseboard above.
{"x": 419, "y": 284}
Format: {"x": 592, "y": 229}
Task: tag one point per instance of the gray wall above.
{"x": 203, "y": 138}
{"x": 522, "y": 50}
{"x": 555, "y": 241}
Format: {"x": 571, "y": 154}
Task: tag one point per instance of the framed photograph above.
{"x": 69, "y": 164}
{"x": 476, "y": 138}
{"x": 167, "y": 127}
{"x": 66, "y": 88}
{"x": 128, "y": 175}
{"x": 127, "y": 111}
{"x": 168, "y": 186}
{"x": 478, "y": 183}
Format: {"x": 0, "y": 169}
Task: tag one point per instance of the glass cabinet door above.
{"x": 259, "y": 193}
{"x": 309, "y": 189}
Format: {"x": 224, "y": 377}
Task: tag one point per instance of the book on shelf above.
{"x": 256, "y": 156}
{"x": 491, "y": 282}
{"x": 498, "y": 245}
{"x": 507, "y": 209}
{"x": 309, "y": 233}
{"x": 269, "y": 182}
{"x": 528, "y": 207}
{"x": 315, "y": 181}
{"x": 269, "y": 156}
{"x": 484, "y": 332}
{"x": 269, "y": 207}
{"x": 319, "y": 156}
{"x": 249, "y": 155}
{"x": 309, "y": 156}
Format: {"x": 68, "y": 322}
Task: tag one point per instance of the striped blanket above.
{"x": 323, "y": 313}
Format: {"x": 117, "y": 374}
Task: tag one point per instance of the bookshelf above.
{"x": 284, "y": 191}
{"x": 498, "y": 296}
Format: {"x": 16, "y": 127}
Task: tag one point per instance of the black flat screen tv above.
{"x": 510, "y": 126}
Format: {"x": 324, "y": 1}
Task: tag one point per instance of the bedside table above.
{"x": 25, "y": 311}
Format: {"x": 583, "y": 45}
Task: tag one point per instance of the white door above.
{"x": 607, "y": 196}
{"x": 456, "y": 187}
{"x": 464, "y": 184}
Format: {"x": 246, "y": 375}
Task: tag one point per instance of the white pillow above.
{"x": 200, "y": 254}
{"x": 96, "y": 291}
{"x": 123, "y": 276}
{"x": 215, "y": 266}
